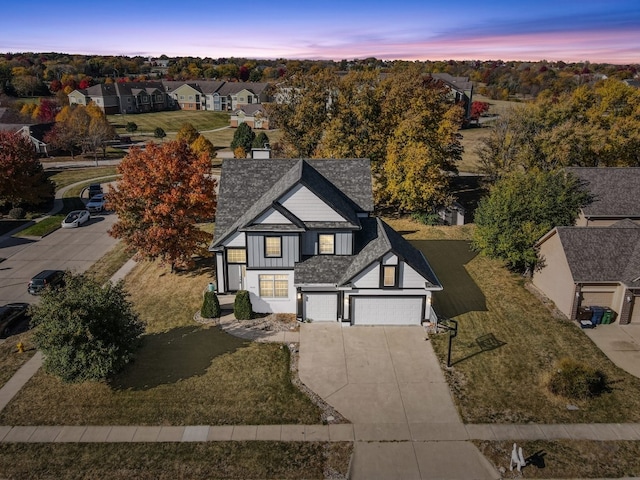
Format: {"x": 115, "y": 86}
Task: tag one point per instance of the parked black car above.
{"x": 14, "y": 319}
{"x": 95, "y": 189}
{"x": 46, "y": 278}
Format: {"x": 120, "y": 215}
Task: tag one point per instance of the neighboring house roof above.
{"x": 373, "y": 242}
{"x": 231, "y": 88}
{"x": 602, "y": 254}
{"x": 250, "y": 109}
{"x": 615, "y": 191}
{"x": 250, "y": 187}
{"x": 459, "y": 83}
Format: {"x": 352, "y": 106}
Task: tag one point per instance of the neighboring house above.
{"x": 34, "y": 132}
{"x": 238, "y": 94}
{"x": 461, "y": 90}
{"x": 142, "y": 97}
{"x": 594, "y": 266}
{"x": 253, "y": 115}
{"x": 615, "y": 194}
{"x": 126, "y": 97}
{"x": 298, "y": 235}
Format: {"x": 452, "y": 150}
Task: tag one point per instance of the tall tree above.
{"x": 302, "y": 111}
{"x": 243, "y": 137}
{"x": 188, "y": 133}
{"x": 87, "y": 331}
{"x": 98, "y": 132}
{"x": 22, "y": 178}
{"x": 420, "y": 127}
{"x": 520, "y": 208}
{"x": 164, "y": 192}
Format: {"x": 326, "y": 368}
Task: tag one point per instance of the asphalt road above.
{"x": 74, "y": 249}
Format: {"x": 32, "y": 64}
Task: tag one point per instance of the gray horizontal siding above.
{"x": 257, "y": 259}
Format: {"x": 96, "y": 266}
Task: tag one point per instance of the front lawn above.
{"x": 569, "y": 458}
{"x": 185, "y": 373}
{"x": 10, "y": 359}
{"x": 158, "y": 461}
{"x": 506, "y": 383}
{"x": 169, "y": 121}
{"x": 68, "y": 176}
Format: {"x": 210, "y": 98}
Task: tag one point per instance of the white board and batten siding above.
{"x": 306, "y": 206}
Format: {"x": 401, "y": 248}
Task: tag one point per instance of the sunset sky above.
{"x": 569, "y": 30}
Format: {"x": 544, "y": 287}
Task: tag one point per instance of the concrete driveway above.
{"x": 387, "y": 381}
{"x": 621, "y": 343}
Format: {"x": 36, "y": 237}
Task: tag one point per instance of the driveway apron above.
{"x": 387, "y": 381}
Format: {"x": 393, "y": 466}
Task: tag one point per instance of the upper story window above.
{"x": 326, "y": 244}
{"x": 389, "y": 276}
{"x": 273, "y": 247}
{"x": 236, "y": 255}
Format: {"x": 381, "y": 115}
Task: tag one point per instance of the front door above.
{"x": 236, "y": 277}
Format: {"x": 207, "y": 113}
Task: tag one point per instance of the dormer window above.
{"x": 273, "y": 247}
{"x": 389, "y": 276}
{"x": 326, "y": 244}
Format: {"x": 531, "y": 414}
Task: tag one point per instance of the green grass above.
{"x": 65, "y": 177}
{"x": 506, "y": 384}
{"x": 170, "y": 121}
{"x": 77, "y": 190}
{"x": 43, "y": 227}
{"x": 185, "y": 373}
{"x": 109, "y": 263}
{"x": 169, "y": 461}
{"x": 569, "y": 458}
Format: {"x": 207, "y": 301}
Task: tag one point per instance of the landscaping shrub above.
{"x": 576, "y": 380}
{"x": 131, "y": 127}
{"x": 210, "y": 305}
{"x": 242, "y": 309}
{"x": 17, "y": 213}
{"x": 159, "y": 133}
{"x": 426, "y": 218}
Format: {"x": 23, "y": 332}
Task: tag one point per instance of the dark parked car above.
{"x": 95, "y": 189}
{"x": 14, "y": 319}
{"x": 46, "y": 278}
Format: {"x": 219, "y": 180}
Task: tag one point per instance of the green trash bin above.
{"x": 607, "y": 316}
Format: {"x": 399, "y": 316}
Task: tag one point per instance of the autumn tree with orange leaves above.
{"x": 164, "y": 192}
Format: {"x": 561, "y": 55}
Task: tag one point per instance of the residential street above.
{"x": 75, "y": 249}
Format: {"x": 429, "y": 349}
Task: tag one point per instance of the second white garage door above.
{"x": 320, "y": 307}
{"x": 387, "y": 310}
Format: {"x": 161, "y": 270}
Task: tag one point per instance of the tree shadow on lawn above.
{"x": 178, "y": 354}
{"x": 461, "y": 294}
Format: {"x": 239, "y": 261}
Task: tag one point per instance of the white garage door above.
{"x": 320, "y": 307}
{"x": 597, "y": 299}
{"x": 387, "y": 310}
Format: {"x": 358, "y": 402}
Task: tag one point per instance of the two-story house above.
{"x": 299, "y": 236}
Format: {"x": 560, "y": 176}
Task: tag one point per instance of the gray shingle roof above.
{"x": 615, "y": 190}
{"x": 603, "y": 254}
{"x": 249, "y": 187}
{"x": 321, "y": 269}
{"x": 377, "y": 239}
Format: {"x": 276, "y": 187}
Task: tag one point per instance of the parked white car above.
{"x": 96, "y": 204}
{"x": 76, "y": 218}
